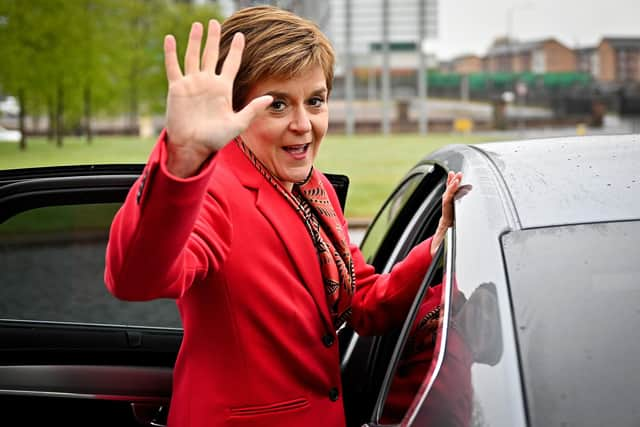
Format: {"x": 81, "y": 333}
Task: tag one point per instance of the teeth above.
{"x": 297, "y": 149}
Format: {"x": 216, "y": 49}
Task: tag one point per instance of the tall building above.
{"x": 366, "y": 26}
{"x": 366, "y": 22}
{"x": 317, "y": 11}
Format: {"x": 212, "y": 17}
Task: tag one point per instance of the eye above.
{"x": 278, "y": 105}
{"x": 316, "y": 101}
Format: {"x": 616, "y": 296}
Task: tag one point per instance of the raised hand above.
{"x": 453, "y": 184}
{"x": 200, "y": 117}
{"x": 447, "y": 218}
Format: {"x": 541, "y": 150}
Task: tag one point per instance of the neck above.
{"x": 287, "y": 185}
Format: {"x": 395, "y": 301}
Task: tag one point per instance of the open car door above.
{"x": 70, "y": 352}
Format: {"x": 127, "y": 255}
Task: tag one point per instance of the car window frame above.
{"x": 427, "y": 174}
{"x": 444, "y": 252}
{"x": 405, "y": 231}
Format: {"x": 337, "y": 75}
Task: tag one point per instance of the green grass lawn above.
{"x": 374, "y": 163}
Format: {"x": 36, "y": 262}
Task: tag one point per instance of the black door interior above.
{"x": 69, "y": 352}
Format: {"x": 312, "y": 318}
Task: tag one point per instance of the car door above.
{"x": 414, "y": 376}
{"x": 409, "y": 216}
{"x": 70, "y": 352}
{"x": 471, "y": 375}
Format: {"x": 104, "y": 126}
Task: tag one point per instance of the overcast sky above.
{"x": 469, "y": 26}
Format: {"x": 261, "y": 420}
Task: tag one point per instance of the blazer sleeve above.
{"x": 169, "y": 233}
{"x": 381, "y": 301}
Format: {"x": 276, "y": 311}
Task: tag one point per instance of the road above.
{"x": 356, "y": 234}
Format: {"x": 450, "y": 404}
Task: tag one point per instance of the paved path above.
{"x": 356, "y": 234}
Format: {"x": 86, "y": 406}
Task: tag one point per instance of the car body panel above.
{"x": 482, "y": 215}
{"x": 571, "y": 181}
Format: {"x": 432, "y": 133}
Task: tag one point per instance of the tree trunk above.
{"x": 59, "y": 116}
{"x": 133, "y": 100}
{"x": 87, "y": 113}
{"x": 23, "y": 130}
{"x": 51, "y": 131}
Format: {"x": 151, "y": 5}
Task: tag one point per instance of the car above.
{"x": 539, "y": 278}
{"x": 8, "y": 135}
{"x": 9, "y": 106}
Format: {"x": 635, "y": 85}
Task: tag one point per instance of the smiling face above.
{"x": 287, "y": 135}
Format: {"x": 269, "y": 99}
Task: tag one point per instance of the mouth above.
{"x": 297, "y": 151}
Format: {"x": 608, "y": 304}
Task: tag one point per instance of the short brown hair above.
{"x": 278, "y": 44}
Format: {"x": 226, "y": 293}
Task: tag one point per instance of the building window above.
{"x": 538, "y": 61}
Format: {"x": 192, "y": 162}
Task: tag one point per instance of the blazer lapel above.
{"x": 288, "y": 226}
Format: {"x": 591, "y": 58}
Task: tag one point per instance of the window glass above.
{"x": 450, "y": 333}
{"x": 575, "y": 293}
{"x": 52, "y": 268}
{"x": 420, "y": 349}
{"x": 379, "y": 228}
{"x": 418, "y": 353}
{"x": 471, "y": 342}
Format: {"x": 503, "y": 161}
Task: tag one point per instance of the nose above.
{"x": 300, "y": 121}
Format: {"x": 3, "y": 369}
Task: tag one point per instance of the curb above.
{"x": 362, "y": 223}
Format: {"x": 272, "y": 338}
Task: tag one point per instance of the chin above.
{"x": 297, "y": 177}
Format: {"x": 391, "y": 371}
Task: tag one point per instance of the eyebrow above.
{"x": 278, "y": 94}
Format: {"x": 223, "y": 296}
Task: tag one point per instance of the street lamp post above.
{"x": 386, "y": 78}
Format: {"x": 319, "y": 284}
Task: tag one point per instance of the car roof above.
{"x": 570, "y": 180}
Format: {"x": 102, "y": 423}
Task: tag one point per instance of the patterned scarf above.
{"x": 311, "y": 202}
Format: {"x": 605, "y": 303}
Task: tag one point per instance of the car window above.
{"x": 415, "y": 344}
{"x": 379, "y": 227}
{"x": 52, "y": 267}
{"x": 408, "y": 217}
{"x": 397, "y": 212}
{"x": 575, "y": 298}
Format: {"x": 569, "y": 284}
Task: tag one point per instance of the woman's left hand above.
{"x": 447, "y": 218}
{"x": 453, "y": 184}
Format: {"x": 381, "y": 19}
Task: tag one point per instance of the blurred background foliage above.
{"x": 72, "y": 60}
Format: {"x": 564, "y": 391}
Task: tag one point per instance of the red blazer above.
{"x": 258, "y": 348}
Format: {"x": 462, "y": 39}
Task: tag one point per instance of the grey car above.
{"x": 539, "y": 278}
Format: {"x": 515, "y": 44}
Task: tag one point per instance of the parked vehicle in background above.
{"x": 9, "y": 106}
{"x": 7, "y": 135}
{"x": 541, "y": 280}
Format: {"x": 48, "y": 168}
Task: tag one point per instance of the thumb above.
{"x": 251, "y": 110}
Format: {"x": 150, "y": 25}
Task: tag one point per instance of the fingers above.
{"x": 252, "y": 109}
{"x": 192, "y": 55}
{"x": 234, "y": 57}
{"x": 171, "y": 59}
{"x": 210, "y": 55}
{"x": 453, "y": 181}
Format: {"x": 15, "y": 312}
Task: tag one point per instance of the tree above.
{"x": 75, "y": 59}
{"x": 17, "y": 51}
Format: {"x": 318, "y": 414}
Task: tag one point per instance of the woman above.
{"x": 230, "y": 219}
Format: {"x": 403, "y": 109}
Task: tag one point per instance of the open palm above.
{"x": 200, "y": 116}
